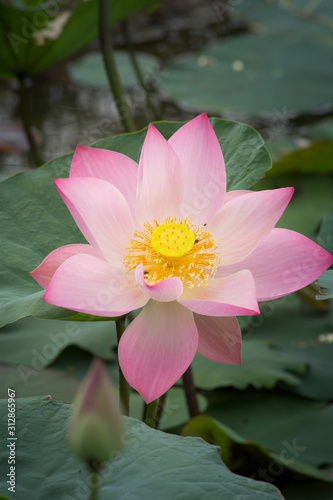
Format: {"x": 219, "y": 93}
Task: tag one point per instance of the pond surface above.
{"x": 203, "y": 54}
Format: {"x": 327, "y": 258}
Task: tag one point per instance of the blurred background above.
{"x": 267, "y": 63}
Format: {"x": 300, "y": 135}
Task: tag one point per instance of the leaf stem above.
{"x": 93, "y": 482}
{"x": 124, "y": 388}
{"x": 160, "y": 408}
{"x": 151, "y": 414}
{"x": 136, "y": 67}
{"x": 104, "y": 9}
{"x": 26, "y": 114}
{"x": 93, "y": 486}
{"x": 156, "y": 417}
{"x": 190, "y": 393}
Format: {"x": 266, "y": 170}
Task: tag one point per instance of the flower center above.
{"x": 172, "y": 239}
{"x": 176, "y": 248}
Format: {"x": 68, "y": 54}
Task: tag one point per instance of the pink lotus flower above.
{"x": 166, "y": 236}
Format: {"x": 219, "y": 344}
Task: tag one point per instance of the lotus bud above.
{"x": 95, "y": 432}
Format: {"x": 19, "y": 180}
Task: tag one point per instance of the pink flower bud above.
{"x": 95, "y": 432}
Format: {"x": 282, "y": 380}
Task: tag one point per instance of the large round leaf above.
{"x": 62, "y": 382}
{"x": 34, "y": 221}
{"x": 61, "y": 379}
{"x": 316, "y": 159}
{"x": 152, "y": 465}
{"x": 262, "y": 367}
{"x": 303, "y": 335}
{"x": 30, "y": 383}
{"x": 281, "y": 65}
{"x": 294, "y": 432}
{"x": 90, "y": 71}
{"x": 37, "y": 343}
{"x": 326, "y": 232}
{"x": 232, "y": 444}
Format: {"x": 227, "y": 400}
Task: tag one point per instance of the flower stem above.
{"x": 151, "y": 414}
{"x": 156, "y": 413}
{"x": 136, "y": 67}
{"x": 104, "y": 9}
{"x": 93, "y": 486}
{"x": 124, "y": 388}
{"x": 93, "y": 482}
{"x": 26, "y": 114}
{"x": 190, "y": 393}
{"x": 160, "y": 408}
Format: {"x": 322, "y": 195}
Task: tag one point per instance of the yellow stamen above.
{"x": 172, "y": 239}
{"x": 176, "y": 248}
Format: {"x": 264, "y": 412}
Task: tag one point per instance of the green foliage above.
{"x": 308, "y": 491}
{"x": 219, "y": 434}
{"x": 175, "y": 412}
{"x": 322, "y": 129}
{"x": 262, "y": 368}
{"x": 310, "y": 203}
{"x": 263, "y": 434}
{"x": 300, "y": 333}
{"x": 295, "y": 432}
{"x": 325, "y": 237}
{"x": 265, "y": 70}
{"x": 35, "y": 221}
{"x": 271, "y": 416}
{"x": 151, "y": 461}
{"x": 36, "y": 36}
{"x": 62, "y": 381}
{"x": 316, "y": 159}
{"x": 326, "y": 286}
{"x": 37, "y": 343}
{"x": 89, "y": 70}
